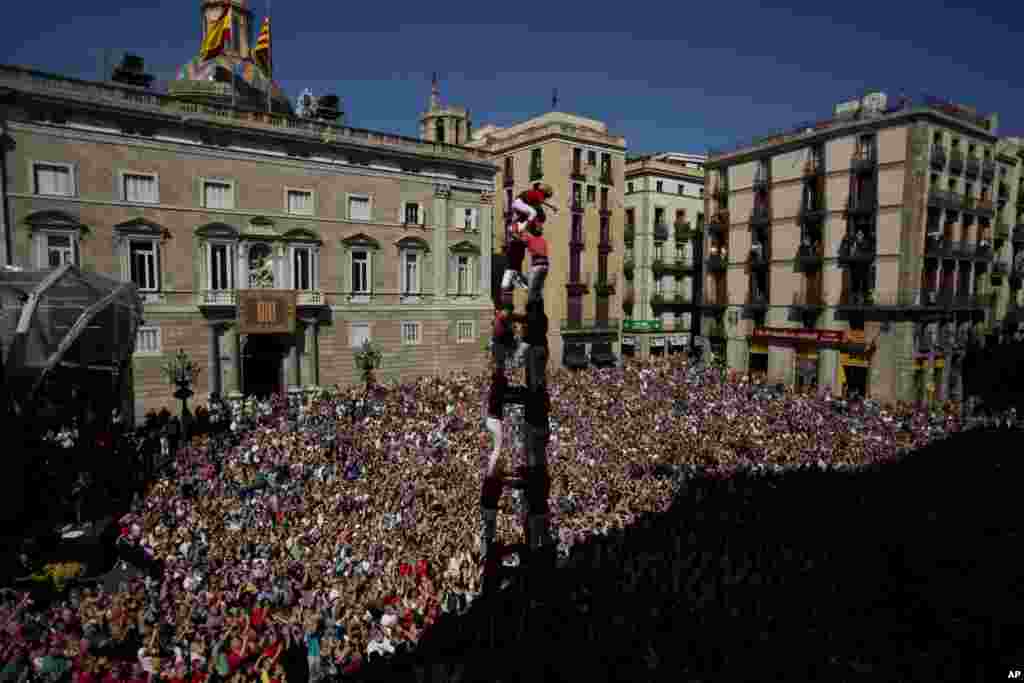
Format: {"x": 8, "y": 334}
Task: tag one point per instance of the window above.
{"x": 606, "y": 164}
{"x": 659, "y": 216}
{"x": 470, "y": 219}
{"x": 938, "y": 138}
{"x": 577, "y": 194}
{"x": 302, "y": 269}
{"x": 143, "y": 265}
{"x": 53, "y": 179}
{"x": 464, "y": 331}
{"x": 439, "y": 127}
{"x": 509, "y": 168}
{"x": 218, "y": 195}
{"x": 462, "y": 283}
{"x": 148, "y": 340}
{"x": 222, "y": 267}
{"x": 412, "y": 213}
{"x": 60, "y": 249}
{"x": 630, "y": 216}
{"x": 358, "y": 334}
{"x": 629, "y": 187}
{"x": 659, "y": 186}
{"x": 591, "y": 158}
{"x": 359, "y": 208}
{"x": 300, "y": 202}
{"x": 410, "y": 333}
{"x": 933, "y": 181}
{"x": 536, "y": 161}
{"x": 577, "y": 158}
{"x": 360, "y": 271}
{"x": 591, "y": 194}
{"x": 139, "y": 187}
{"x": 681, "y": 189}
{"x": 410, "y": 272}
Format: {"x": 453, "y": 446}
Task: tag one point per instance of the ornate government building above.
{"x": 215, "y": 198}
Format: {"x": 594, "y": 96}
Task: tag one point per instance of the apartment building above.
{"x": 268, "y": 246}
{"x": 864, "y": 251}
{"x": 584, "y": 164}
{"x": 662, "y": 258}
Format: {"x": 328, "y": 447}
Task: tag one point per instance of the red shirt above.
{"x": 257, "y": 617}
{"x": 235, "y": 660}
{"x": 536, "y": 245}
{"x": 534, "y": 198}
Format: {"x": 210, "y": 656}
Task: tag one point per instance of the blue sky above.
{"x": 680, "y": 76}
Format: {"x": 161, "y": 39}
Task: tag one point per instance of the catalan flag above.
{"x": 218, "y": 36}
{"x": 262, "y": 52}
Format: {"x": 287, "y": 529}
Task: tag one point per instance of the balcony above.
{"x": 218, "y": 297}
{"x": 938, "y": 158}
{"x": 536, "y": 172}
{"x": 810, "y": 257}
{"x": 756, "y": 301}
{"x": 578, "y": 287}
{"x": 717, "y": 264}
{"x": 988, "y": 170}
{"x": 311, "y": 297}
{"x": 684, "y": 233}
{"x": 956, "y": 162}
{"x": 718, "y": 222}
{"x": 864, "y": 161}
{"x": 577, "y": 172}
{"x": 760, "y": 215}
{"x": 854, "y": 253}
{"x": 606, "y": 176}
{"x": 606, "y": 287}
{"x": 629, "y": 234}
{"x": 660, "y": 232}
{"x": 812, "y": 211}
{"x": 761, "y": 184}
{"x": 760, "y": 259}
{"x": 972, "y": 167}
{"x": 591, "y": 326}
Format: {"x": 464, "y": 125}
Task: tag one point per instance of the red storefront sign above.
{"x": 810, "y": 336}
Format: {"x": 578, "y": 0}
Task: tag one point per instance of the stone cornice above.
{"x": 119, "y": 101}
{"x": 177, "y": 147}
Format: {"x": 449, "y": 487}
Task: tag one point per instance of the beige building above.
{"x": 584, "y": 164}
{"x": 862, "y": 251}
{"x": 197, "y": 197}
{"x": 664, "y": 217}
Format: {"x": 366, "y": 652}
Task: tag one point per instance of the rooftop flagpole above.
{"x": 270, "y": 64}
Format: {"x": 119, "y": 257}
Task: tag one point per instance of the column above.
{"x": 235, "y": 374}
{"x": 291, "y": 360}
{"x": 214, "y": 369}
{"x": 440, "y": 220}
{"x": 486, "y": 240}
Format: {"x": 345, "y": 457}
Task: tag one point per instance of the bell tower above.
{"x": 448, "y": 124}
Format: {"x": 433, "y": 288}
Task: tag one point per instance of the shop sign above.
{"x": 800, "y": 335}
{"x": 641, "y": 325}
{"x": 266, "y": 311}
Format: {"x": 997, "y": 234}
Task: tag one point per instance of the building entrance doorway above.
{"x": 856, "y": 380}
{"x": 262, "y": 365}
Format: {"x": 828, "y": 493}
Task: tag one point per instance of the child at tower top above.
{"x": 538, "y": 248}
{"x": 528, "y": 204}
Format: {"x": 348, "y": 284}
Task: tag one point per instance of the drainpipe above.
{"x": 5, "y": 222}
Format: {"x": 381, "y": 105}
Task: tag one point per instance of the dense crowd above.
{"x": 301, "y": 540}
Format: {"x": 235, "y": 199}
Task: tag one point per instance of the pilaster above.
{"x": 486, "y": 240}
{"x": 440, "y": 219}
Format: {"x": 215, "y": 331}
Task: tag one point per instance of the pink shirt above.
{"x": 537, "y": 246}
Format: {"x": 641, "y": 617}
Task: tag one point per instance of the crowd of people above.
{"x": 299, "y": 541}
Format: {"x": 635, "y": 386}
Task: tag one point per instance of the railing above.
{"x": 218, "y": 297}
{"x": 310, "y": 297}
{"x": 938, "y": 198}
{"x": 591, "y": 325}
{"x": 760, "y": 215}
{"x": 956, "y": 162}
{"x": 983, "y": 252}
{"x": 814, "y": 127}
{"x": 973, "y": 167}
{"x": 963, "y": 250}
{"x": 937, "y": 246}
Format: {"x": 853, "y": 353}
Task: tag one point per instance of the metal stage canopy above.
{"x": 64, "y": 318}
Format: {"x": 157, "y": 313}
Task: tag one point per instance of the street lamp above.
{"x": 182, "y": 372}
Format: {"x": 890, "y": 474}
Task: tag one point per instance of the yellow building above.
{"x": 584, "y": 164}
{"x": 862, "y": 251}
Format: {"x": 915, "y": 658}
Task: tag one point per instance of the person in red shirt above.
{"x": 529, "y": 203}
{"x": 527, "y": 209}
{"x": 538, "y": 248}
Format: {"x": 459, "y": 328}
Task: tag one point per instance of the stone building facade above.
{"x": 379, "y": 236}
{"x": 864, "y": 251}
{"x": 664, "y": 204}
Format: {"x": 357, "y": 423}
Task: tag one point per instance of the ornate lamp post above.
{"x": 367, "y": 358}
{"x": 182, "y": 372}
